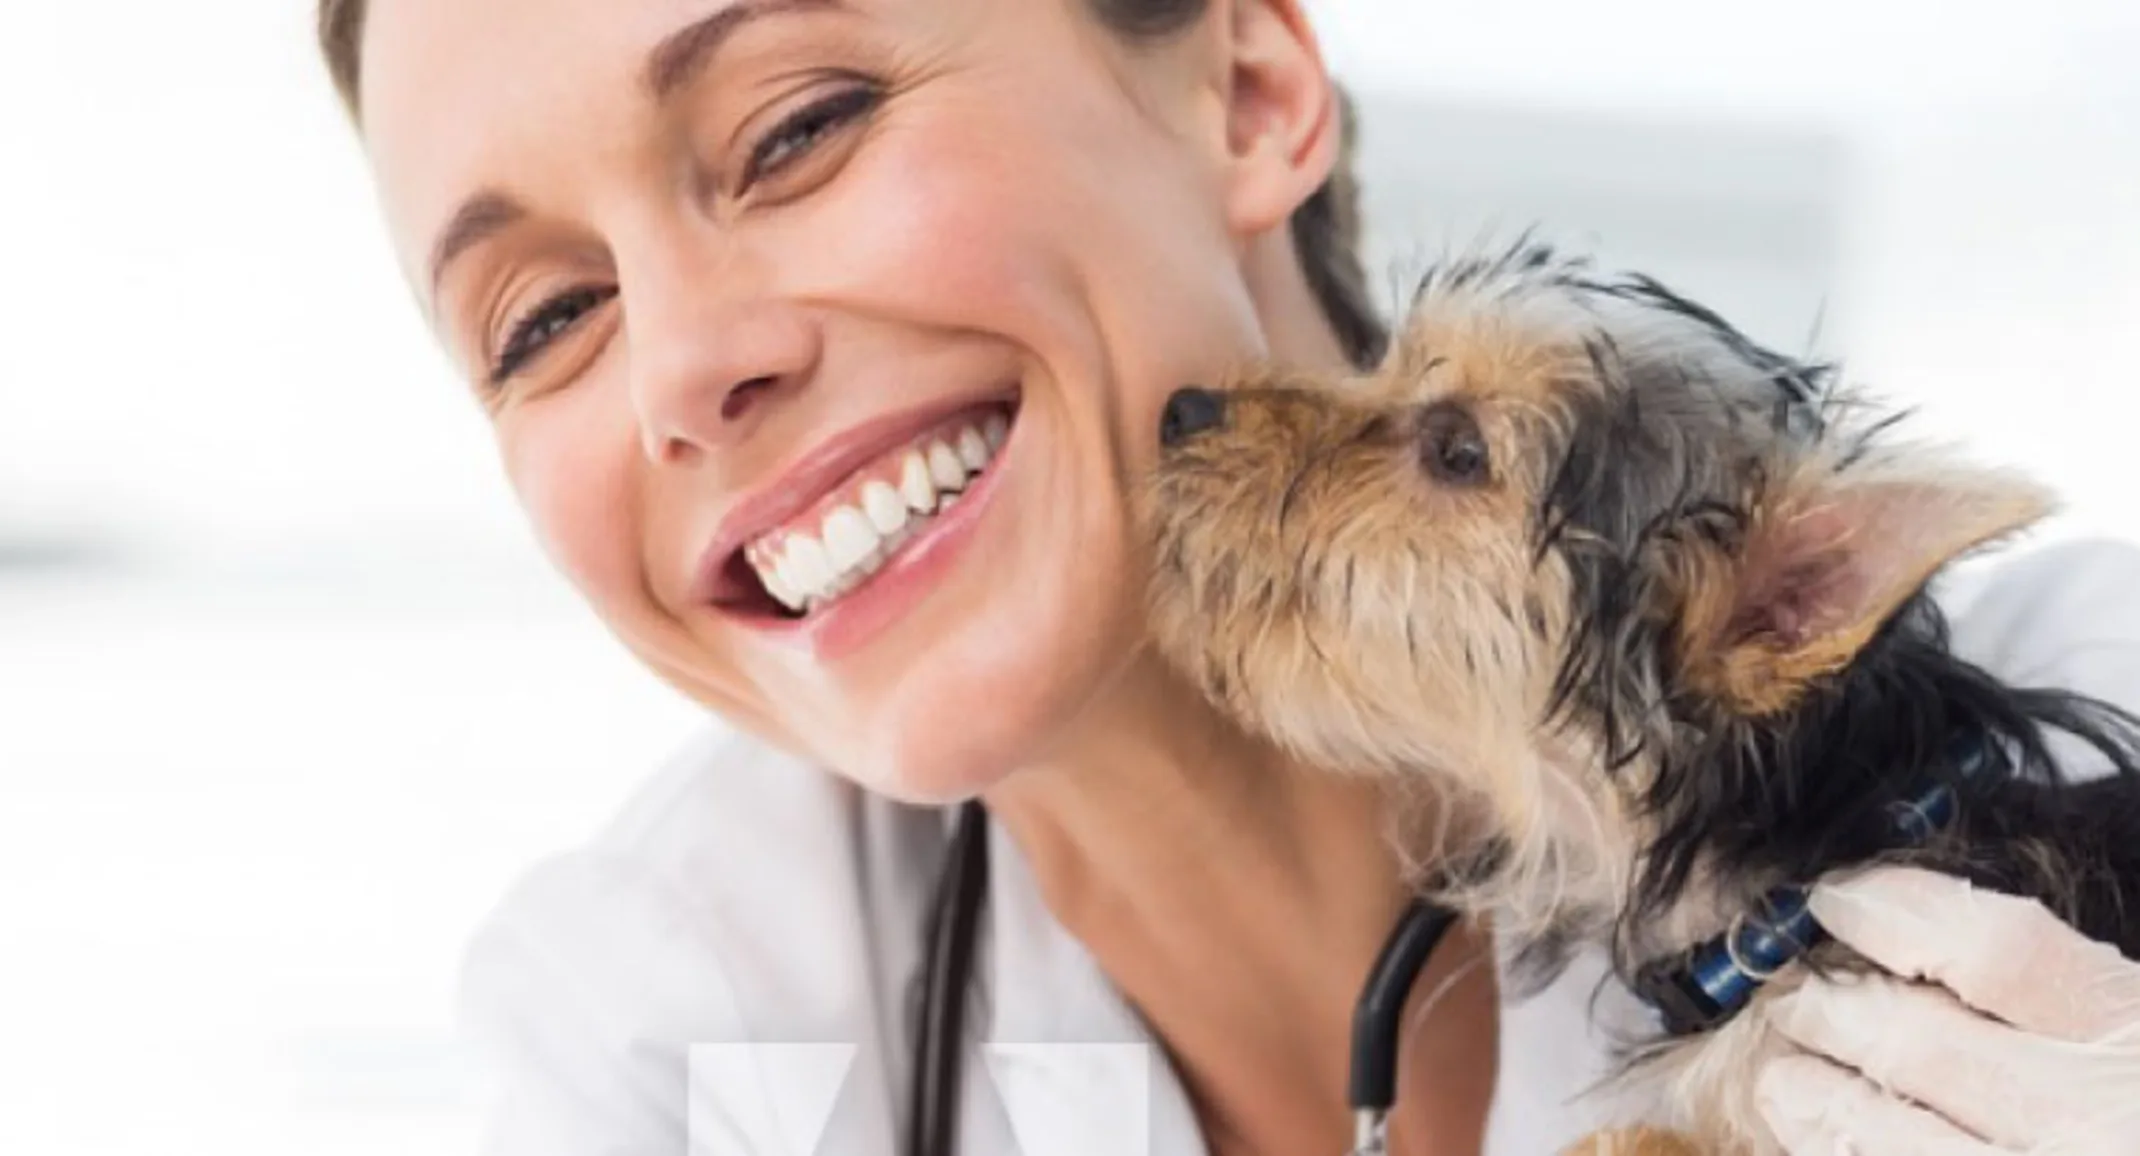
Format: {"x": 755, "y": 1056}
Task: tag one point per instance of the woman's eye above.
{"x": 1453, "y": 447}
{"x": 543, "y": 325}
{"x": 804, "y": 130}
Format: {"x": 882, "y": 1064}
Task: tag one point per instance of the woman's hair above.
{"x": 1326, "y": 229}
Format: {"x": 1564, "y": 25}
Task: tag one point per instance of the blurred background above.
{"x": 287, "y": 696}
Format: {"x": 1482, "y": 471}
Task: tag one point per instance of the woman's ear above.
{"x": 1283, "y": 123}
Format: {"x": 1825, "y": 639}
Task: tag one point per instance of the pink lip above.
{"x": 886, "y": 598}
{"x": 816, "y": 474}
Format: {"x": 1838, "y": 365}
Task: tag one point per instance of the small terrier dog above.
{"x": 1640, "y": 606}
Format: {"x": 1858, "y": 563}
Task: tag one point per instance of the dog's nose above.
{"x": 1190, "y": 412}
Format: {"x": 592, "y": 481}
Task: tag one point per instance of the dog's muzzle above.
{"x": 1190, "y": 412}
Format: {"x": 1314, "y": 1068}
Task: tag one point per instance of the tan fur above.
{"x": 1635, "y": 1142}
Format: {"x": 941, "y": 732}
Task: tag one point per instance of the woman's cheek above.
{"x": 1098, "y": 263}
{"x": 572, "y": 465}
{"x": 939, "y": 233}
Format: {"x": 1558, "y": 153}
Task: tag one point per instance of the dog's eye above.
{"x": 1452, "y": 447}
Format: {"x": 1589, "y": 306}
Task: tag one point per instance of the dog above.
{"x": 1635, "y": 609}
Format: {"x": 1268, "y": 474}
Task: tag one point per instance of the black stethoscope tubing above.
{"x": 947, "y": 971}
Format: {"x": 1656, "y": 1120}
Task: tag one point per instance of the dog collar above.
{"x": 1704, "y": 987}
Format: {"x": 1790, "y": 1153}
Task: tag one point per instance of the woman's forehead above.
{"x": 459, "y": 94}
{"x": 462, "y": 95}
{"x": 421, "y": 47}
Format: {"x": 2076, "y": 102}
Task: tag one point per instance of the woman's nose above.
{"x": 703, "y": 377}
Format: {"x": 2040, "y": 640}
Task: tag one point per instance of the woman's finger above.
{"x": 1815, "y": 1108}
{"x": 1997, "y": 1081}
{"x": 2006, "y": 956}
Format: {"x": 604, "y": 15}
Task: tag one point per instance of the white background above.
{"x": 286, "y": 696}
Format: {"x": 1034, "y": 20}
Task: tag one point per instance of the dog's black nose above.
{"x": 1190, "y": 412}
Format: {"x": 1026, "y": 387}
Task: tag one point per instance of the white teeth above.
{"x": 886, "y": 509}
{"x": 855, "y": 540}
{"x": 916, "y": 486}
{"x": 849, "y": 538}
{"x": 945, "y": 468}
{"x": 973, "y": 452}
{"x": 776, "y": 584}
{"x": 798, "y": 594}
{"x": 809, "y": 567}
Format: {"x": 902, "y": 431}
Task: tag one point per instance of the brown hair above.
{"x": 1326, "y": 229}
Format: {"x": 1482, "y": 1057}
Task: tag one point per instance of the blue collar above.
{"x": 1704, "y": 987}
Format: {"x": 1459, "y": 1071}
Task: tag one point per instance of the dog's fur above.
{"x": 1636, "y": 608}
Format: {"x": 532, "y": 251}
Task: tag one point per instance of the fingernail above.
{"x": 1850, "y": 884}
{"x": 1851, "y": 906}
{"x": 1853, "y": 891}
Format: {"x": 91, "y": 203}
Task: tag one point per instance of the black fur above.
{"x": 1668, "y": 454}
{"x": 1797, "y": 797}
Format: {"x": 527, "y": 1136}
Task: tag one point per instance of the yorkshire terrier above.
{"x": 1640, "y": 607}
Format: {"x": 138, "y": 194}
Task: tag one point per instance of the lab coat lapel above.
{"x": 1066, "y": 1065}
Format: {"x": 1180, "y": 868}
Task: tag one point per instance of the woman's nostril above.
{"x": 743, "y": 396}
{"x": 1190, "y": 412}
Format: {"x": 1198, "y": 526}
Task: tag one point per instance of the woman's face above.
{"x": 824, "y": 339}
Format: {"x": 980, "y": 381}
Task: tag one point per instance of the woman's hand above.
{"x": 2023, "y": 1038}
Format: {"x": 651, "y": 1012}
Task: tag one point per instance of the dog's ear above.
{"x": 1827, "y": 558}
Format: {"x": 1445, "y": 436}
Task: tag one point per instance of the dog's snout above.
{"x": 1190, "y": 412}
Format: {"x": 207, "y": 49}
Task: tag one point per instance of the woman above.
{"x": 869, "y": 307}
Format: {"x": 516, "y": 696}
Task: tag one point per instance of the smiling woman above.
{"x": 766, "y": 247}
{"x": 825, "y": 345}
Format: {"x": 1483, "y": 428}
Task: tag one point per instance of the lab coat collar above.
{"x": 1076, "y": 1069}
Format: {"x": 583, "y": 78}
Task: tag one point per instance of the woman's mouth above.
{"x": 834, "y": 548}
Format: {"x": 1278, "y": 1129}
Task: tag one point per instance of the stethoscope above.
{"x": 1690, "y": 992}
{"x": 947, "y": 968}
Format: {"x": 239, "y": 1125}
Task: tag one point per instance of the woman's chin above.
{"x": 933, "y": 786}
{"x": 923, "y": 774}
{"x": 992, "y": 668}
{"x": 938, "y": 741}
{"x": 947, "y": 758}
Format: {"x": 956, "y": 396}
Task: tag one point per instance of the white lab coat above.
{"x": 625, "y": 993}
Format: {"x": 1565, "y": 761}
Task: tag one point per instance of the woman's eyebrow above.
{"x": 479, "y": 218}
{"x": 673, "y": 64}
{"x": 683, "y": 55}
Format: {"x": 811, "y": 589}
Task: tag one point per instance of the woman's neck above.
{"x": 1238, "y": 899}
